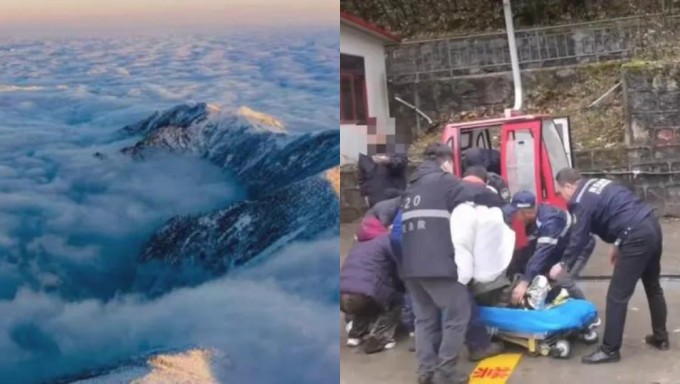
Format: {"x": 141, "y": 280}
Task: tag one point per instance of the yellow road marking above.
{"x": 495, "y": 370}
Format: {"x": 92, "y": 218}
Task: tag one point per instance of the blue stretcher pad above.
{"x": 570, "y": 316}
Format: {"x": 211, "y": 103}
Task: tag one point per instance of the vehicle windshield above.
{"x": 449, "y": 142}
{"x": 520, "y": 161}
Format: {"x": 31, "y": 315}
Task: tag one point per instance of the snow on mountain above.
{"x": 190, "y": 367}
{"x": 191, "y": 249}
{"x": 333, "y": 176}
{"x": 250, "y": 145}
{"x": 182, "y": 115}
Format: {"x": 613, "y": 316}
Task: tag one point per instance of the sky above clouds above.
{"x": 105, "y": 17}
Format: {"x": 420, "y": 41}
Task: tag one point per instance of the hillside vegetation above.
{"x": 429, "y": 18}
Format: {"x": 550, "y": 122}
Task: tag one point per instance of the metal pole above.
{"x": 612, "y": 89}
{"x": 514, "y": 61}
{"x": 421, "y": 113}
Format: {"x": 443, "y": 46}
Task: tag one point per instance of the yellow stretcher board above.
{"x": 495, "y": 370}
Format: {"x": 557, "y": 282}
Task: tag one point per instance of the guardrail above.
{"x": 537, "y": 47}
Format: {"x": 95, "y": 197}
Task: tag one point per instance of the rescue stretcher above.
{"x": 546, "y": 332}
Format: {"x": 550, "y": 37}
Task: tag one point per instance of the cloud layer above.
{"x": 115, "y": 81}
{"x": 72, "y": 224}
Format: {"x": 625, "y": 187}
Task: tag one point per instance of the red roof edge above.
{"x": 363, "y": 24}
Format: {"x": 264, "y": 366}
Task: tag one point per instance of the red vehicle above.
{"x": 531, "y": 148}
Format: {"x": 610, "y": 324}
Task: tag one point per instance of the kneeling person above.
{"x": 549, "y": 227}
{"x": 371, "y": 292}
{"x": 378, "y": 219}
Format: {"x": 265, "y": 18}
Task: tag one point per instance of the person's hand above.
{"x": 612, "y": 255}
{"x": 381, "y": 159}
{"x": 556, "y": 270}
{"x": 519, "y": 292}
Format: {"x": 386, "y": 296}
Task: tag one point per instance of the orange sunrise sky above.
{"x": 105, "y": 16}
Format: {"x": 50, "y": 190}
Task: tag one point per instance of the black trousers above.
{"x": 639, "y": 257}
{"x": 369, "y": 319}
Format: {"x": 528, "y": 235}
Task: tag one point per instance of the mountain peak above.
{"x": 261, "y": 121}
{"x": 251, "y": 145}
{"x": 193, "y": 366}
{"x": 333, "y": 177}
{"x": 182, "y": 115}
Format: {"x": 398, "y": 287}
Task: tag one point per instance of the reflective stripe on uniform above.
{"x": 583, "y": 190}
{"x": 546, "y": 240}
{"x": 426, "y": 213}
{"x": 567, "y": 225}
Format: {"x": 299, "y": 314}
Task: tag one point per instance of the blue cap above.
{"x": 523, "y": 199}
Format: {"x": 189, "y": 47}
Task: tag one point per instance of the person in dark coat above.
{"x": 378, "y": 219}
{"x": 618, "y": 217}
{"x": 477, "y": 174}
{"x": 489, "y": 159}
{"x": 382, "y": 177}
{"x": 428, "y": 267}
{"x": 372, "y": 294}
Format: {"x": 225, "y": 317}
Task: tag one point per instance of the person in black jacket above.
{"x": 477, "y": 174}
{"x": 618, "y": 217}
{"x": 441, "y": 304}
{"x": 489, "y": 159}
{"x": 382, "y": 177}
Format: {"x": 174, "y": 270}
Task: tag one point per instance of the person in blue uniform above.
{"x": 548, "y": 228}
{"x": 618, "y": 217}
{"x": 428, "y": 265}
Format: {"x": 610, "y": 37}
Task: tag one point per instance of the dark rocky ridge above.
{"x": 188, "y": 250}
{"x": 253, "y": 149}
{"x": 288, "y": 198}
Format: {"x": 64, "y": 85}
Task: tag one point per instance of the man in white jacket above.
{"x": 482, "y": 241}
{"x": 469, "y": 223}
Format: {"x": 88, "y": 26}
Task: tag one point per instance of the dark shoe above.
{"x": 601, "y": 357}
{"x": 492, "y": 350}
{"x": 455, "y": 378}
{"x": 373, "y": 345}
{"x": 425, "y": 379}
{"x": 661, "y": 345}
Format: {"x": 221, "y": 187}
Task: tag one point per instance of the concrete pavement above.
{"x": 640, "y": 364}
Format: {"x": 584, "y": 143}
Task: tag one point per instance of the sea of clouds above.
{"x": 71, "y": 224}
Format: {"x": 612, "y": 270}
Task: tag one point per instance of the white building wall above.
{"x": 353, "y": 138}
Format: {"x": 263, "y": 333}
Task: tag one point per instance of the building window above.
{"x": 353, "y": 106}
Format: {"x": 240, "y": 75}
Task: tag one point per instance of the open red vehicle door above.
{"x": 532, "y": 153}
